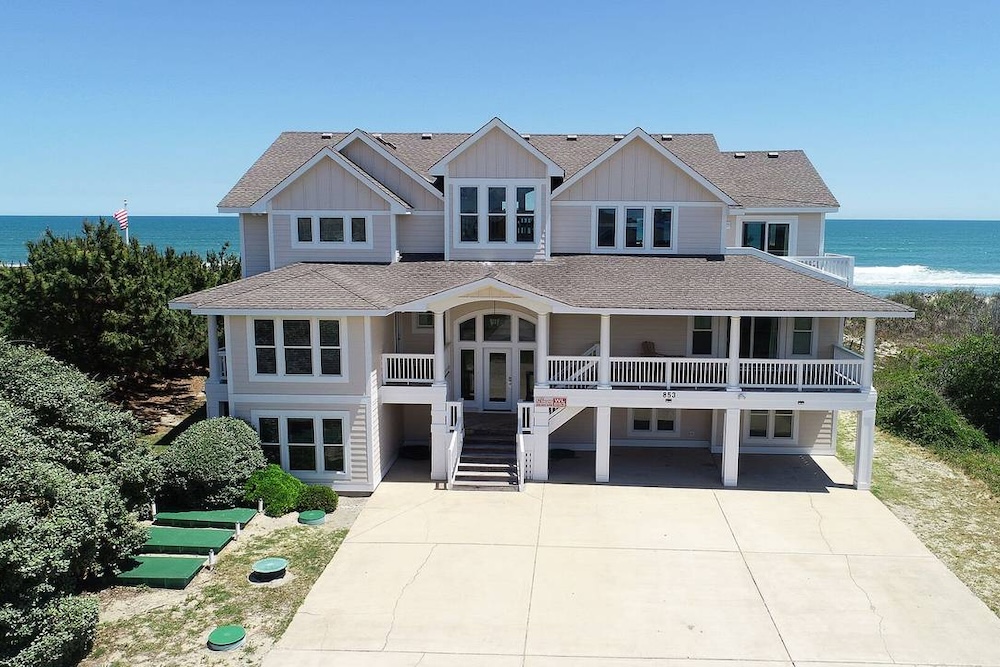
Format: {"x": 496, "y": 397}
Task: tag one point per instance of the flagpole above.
{"x": 125, "y": 206}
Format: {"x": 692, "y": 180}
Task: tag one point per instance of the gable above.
{"x": 496, "y": 155}
{"x": 328, "y": 186}
{"x": 637, "y": 173}
{"x": 405, "y": 184}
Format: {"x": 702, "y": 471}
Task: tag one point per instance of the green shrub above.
{"x": 317, "y": 497}
{"x": 208, "y": 465}
{"x": 969, "y": 376}
{"x": 279, "y": 490}
{"x": 63, "y": 634}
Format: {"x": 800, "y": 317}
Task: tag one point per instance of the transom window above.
{"x": 349, "y": 228}
{"x": 652, "y": 421}
{"x": 776, "y": 425}
{"x": 297, "y": 348}
{"x": 771, "y": 237}
{"x": 497, "y": 214}
{"x": 302, "y": 442}
{"x": 625, "y": 228}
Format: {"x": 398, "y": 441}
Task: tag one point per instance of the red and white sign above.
{"x": 550, "y": 401}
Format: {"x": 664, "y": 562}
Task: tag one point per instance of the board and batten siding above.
{"x": 353, "y": 355}
{"x": 285, "y": 252}
{"x": 328, "y": 186}
{"x": 255, "y": 246}
{"x": 637, "y": 173}
{"x": 392, "y": 177}
{"x": 699, "y": 228}
{"x": 420, "y": 234}
{"x": 496, "y": 155}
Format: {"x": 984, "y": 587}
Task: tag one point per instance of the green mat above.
{"x": 164, "y": 540}
{"x": 162, "y": 571}
{"x": 207, "y": 518}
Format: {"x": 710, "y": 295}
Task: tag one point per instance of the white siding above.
{"x": 637, "y": 173}
{"x": 392, "y": 177}
{"x": 328, "y": 186}
{"x": 815, "y": 435}
{"x": 829, "y": 335}
{"x": 496, "y": 155}
{"x": 810, "y": 234}
{"x": 570, "y": 335}
{"x": 699, "y": 229}
{"x": 286, "y": 253}
{"x": 255, "y": 253}
{"x": 628, "y": 332}
{"x": 571, "y": 229}
{"x": 420, "y": 234}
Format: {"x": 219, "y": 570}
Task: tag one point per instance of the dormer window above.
{"x": 620, "y": 227}
{"x": 501, "y": 213}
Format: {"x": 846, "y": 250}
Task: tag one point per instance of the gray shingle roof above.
{"x": 756, "y": 180}
{"x": 734, "y": 283}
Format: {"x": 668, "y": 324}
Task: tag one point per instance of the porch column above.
{"x": 213, "y": 349}
{"x": 439, "y": 380}
{"x": 439, "y": 440}
{"x": 731, "y": 447}
{"x": 602, "y": 472}
{"x": 733, "y": 371}
{"x": 604, "y": 365}
{"x": 864, "y": 449}
{"x": 542, "y": 351}
{"x": 869, "y": 368}
{"x": 540, "y": 457}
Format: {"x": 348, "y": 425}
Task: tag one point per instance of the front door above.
{"x": 498, "y": 379}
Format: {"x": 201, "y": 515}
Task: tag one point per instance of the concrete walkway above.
{"x": 796, "y": 569}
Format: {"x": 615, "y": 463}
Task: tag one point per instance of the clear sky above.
{"x": 168, "y": 103}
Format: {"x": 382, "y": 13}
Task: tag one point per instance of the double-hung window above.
{"x": 297, "y": 348}
{"x": 769, "y": 236}
{"x": 771, "y": 425}
{"x": 802, "y": 336}
{"x": 632, "y": 228}
{"x": 350, "y": 229}
{"x": 702, "y": 336}
{"x": 494, "y": 214}
{"x": 650, "y": 422}
{"x": 304, "y": 442}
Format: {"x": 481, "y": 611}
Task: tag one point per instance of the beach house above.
{"x": 498, "y": 296}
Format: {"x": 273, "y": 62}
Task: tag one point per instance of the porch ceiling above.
{"x": 679, "y": 285}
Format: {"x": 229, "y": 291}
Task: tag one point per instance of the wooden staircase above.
{"x": 489, "y": 453}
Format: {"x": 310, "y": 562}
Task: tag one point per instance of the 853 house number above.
{"x": 669, "y": 395}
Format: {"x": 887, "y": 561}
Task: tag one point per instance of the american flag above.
{"x": 121, "y": 215}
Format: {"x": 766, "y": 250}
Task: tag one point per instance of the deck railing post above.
{"x": 733, "y": 381}
{"x": 542, "y": 350}
{"x": 439, "y": 349}
{"x": 604, "y": 365}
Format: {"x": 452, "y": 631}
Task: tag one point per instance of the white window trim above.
{"x": 718, "y": 338}
{"x": 480, "y": 347}
{"x": 317, "y": 417}
{"x": 769, "y": 438}
{"x": 482, "y": 212}
{"x": 647, "y": 232}
{"x": 418, "y": 328}
{"x": 793, "y": 229}
{"x": 279, "y": 339}
{"x": 789, "y": 335}
{"x": 653, "y": 432}
{"x": 347, "y": 243}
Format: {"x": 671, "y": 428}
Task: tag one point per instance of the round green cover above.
{"x": 226, "y": 635}
{"x": 270, "y": 565}
{"x": 312, "y": 516}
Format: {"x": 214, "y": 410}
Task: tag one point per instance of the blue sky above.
{"x": 897, "y": 103}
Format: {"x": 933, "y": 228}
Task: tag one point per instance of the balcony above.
{"x": 838, "y": 266}
{"x": 416, "y": 369}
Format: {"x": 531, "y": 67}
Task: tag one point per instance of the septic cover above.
{"x": 270, "y": 565}
{"x": 312, "y": 517}
{"x": 226, "y": 637}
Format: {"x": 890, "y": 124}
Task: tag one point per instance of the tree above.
{"x": 101, "y": 304}
{"x": 73, "y": 478}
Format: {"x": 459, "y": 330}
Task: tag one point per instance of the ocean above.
{"x": 890, "y": 255}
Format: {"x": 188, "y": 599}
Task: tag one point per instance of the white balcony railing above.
{"x": 838, "y": 266}
{"x": 800, "y": 374}
{"x": 456, "y": 439}
{"x": 576, "y": 372}
{"x": 408, "y": 368}
{"x": 668, "y": 372}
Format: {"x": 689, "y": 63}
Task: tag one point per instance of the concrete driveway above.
{"x": 796, "y": 568}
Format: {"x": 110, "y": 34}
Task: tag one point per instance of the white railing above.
{"x": 223, "y": 366}
{"x": 456, "y": 437}
{"x": 573, "y": 371}
{"x": 668, "y": 372}
{"x": 410, "y": 368}
{"x": 800, "y": 374}
{"x": 525, "y": 426}
{"x": 525, "y": 417}
{"x": 839, "y": 266}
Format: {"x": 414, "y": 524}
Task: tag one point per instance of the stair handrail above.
{"x": 456, "y": 438}
{"x": 520, "y": 461}
{"x": 525, "y": 428}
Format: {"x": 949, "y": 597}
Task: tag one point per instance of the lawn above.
{"x": 956, "y": 516}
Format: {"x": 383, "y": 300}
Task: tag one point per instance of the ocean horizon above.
{"x": 890, "y": 255}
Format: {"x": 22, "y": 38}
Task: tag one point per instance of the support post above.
{"x": 868, "y": 370}
{"x": 439, "y": 440}
{"x": 604, "y": 364}
{"x": 542, "y": 350}
{"x": 602, "y": 472}
{"x": 213, "y": 349}
{"x": 439, "y": 379}
{"x": 731, "y": 448}
{"x": 864, "y": 449}
{"x": 540, "y": 458}
{"x": 733, "y": 369}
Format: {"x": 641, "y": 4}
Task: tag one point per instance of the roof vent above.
{"x": 426, "y": 135}
{"x": 326, "y": 135}
{"x": 526, "y": 137}
{"x": 739, "y": 156}
{"x": 619, "y": 137}
{"x": 666, "y": 137}
{"x": 570, "y": 137}
{"x": 772, "y": 153}
{"x": 377, "y": 135}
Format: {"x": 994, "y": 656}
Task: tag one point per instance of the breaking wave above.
{"x": 917, "y": 275}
